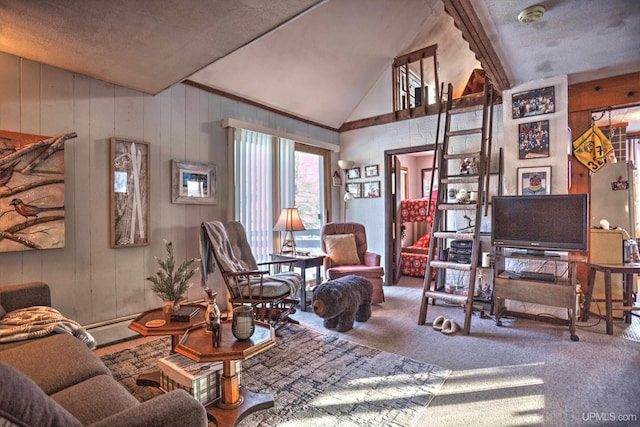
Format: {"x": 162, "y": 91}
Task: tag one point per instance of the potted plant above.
{"x": 171, "y": 284}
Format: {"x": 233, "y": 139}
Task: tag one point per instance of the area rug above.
{"x": 316, "y": 380}
{"x": 632, "y": 332}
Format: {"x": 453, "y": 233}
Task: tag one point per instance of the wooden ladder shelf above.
{"x": 458, "y": 146}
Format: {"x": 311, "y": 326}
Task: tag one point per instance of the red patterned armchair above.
{"x": 345, "y": 244}
{"x": 413, "y": 261}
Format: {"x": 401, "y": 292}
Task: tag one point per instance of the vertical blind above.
{"x": 264, "y": 183}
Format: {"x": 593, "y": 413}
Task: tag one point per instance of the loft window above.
{"x": 415, "y": 80}
{"x": 617, "y": 135}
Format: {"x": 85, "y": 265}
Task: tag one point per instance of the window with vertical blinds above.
{"x": 264, "y": 182}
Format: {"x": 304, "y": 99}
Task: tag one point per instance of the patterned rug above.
{"x": 632, "y": 332}
{"x": 316, "y": 380}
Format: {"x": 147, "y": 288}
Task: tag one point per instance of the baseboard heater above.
{"x": 112, "y": 330}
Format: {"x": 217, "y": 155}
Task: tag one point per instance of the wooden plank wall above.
{"x": 90, "y": 281}
{"x": 584, "y": 98}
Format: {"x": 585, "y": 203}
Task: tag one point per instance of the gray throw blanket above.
{"x": 215, "y": 244}
{"x": 39, "y": 321}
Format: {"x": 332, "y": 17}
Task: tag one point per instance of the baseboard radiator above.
{"x": 113, "y": 330}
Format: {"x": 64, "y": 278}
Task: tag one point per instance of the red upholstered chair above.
{"x": 345, "y": 244}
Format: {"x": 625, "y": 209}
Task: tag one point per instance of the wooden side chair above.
{"x": 272, "y": 296}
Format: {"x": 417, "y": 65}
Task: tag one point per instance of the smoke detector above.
{"x": 531, "y": 14}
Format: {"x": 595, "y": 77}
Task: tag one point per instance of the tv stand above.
{"x": 535, "y": 252}
{"x": 561, "y": 293}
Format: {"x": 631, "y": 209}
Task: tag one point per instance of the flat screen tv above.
{"x": 557, "y": 222}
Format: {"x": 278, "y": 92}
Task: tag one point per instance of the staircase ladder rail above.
{"x": 435, "y": 165}
{"x": 449, "y": 179}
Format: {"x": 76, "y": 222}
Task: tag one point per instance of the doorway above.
{"x": 622, "y": 127}
{"x": 393, "y": 197}
{"x": 310, "y": 177}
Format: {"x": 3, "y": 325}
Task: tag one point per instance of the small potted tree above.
{"x": 171, "y": 284}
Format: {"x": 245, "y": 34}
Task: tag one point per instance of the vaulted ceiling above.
{"x": 324, "y": 61}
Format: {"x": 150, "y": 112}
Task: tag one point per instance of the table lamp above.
{"x": 289, "y": 221}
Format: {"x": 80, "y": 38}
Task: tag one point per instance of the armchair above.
{"x": 272, "y": 296}
{"x": 345, "y": 244}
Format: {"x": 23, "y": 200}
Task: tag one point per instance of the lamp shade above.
{"x": 289, "y": 220}
{"x": 345, "y": 164}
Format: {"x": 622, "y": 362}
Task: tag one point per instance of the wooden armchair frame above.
{"x": 252, "y": 286}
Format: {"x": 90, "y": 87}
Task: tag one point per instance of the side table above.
{"x": 144, "y": 325}
{"x": 302, "y": 262}
{"x": 235, "y": 403}
{"x": 629, "y": 271}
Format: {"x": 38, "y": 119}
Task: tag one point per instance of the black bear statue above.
{"x": 342, "y": 301}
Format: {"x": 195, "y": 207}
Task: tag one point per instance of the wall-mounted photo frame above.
{"x": 533, "y": 102}
{"x": 533, "y": 140}
{"x": 129, "y": 193}
{"x": 371, "y": 189}
{"x": 426, "y": 181}
{"x": 355, "y": 188}
{"x": 371, "y": 171}
{"x": 534, "y": 181}
{"x": 353, "y": 173}
{"x": 336, "y": 180}
{"x": 193, "y": 183}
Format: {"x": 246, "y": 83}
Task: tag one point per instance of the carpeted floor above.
{"x": 524, "y": 373}
{"x": 316, "y": 379}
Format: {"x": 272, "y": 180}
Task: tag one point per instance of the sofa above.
{"x": 57, "y": 380}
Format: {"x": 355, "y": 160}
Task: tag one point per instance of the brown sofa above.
{"x": 58, "y": 381}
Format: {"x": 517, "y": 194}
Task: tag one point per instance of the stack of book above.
{"x": 185, "y": 313}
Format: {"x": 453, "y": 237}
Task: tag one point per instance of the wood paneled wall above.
{"x": 584, "y": 98}
{"x": 90, "y": 281}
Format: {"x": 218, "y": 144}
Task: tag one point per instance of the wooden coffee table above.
{"x": 146, "y": 325}
{"x": 235, "y": 403}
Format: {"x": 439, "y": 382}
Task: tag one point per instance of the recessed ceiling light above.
{"x": 531, "y": 14}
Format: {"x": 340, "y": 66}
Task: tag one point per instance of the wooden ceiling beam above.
{"x": 467, "y": 21}
{"x": 256, "y": 104}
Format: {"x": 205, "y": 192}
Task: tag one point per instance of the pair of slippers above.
{"x": 446, "y": 326}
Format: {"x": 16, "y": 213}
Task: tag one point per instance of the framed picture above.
{"x": 336, "y": 180}
{"x": 355, "y": 188}
{"x": 32, "y": 217}
{"x": 371, "y": 189}
{"x": 353, "y": 173}
{"x": 129, "y": 188}
{"x": 193, "y": 183}
{"x": 534, "y": 181}
{"x": 533, "y": 140}
{"x": 533, "y": 102}
{"x": 371, "y": 171}
{"x": 426, "y": 181}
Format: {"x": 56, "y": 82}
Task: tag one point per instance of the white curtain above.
{"x": 264, "y": 184}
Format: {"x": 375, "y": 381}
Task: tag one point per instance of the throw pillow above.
{"x": 423, "y": 242}
{"x": 342, "y": 249}
{"x": 23, "y": 403}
